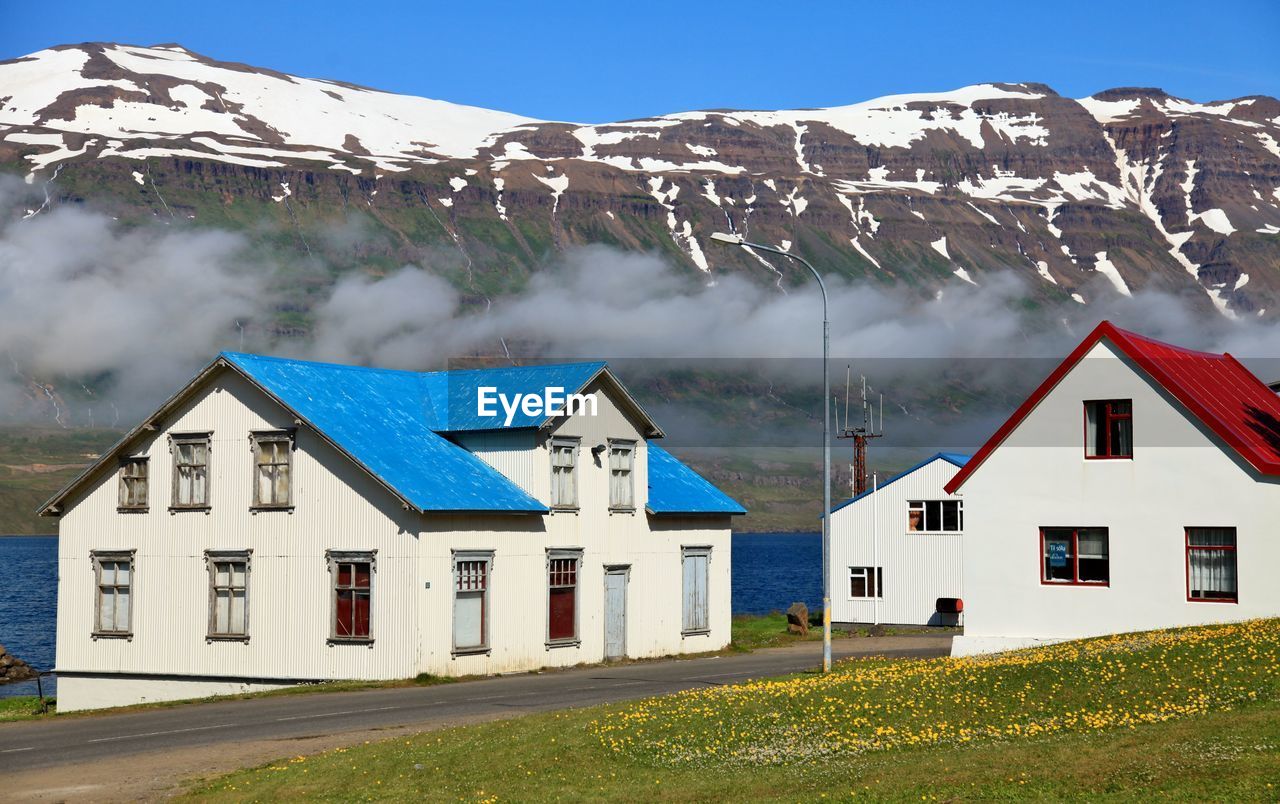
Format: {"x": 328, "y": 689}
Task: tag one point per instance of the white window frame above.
{"x": 211, "y": 559}
{"x": 486, "y": 604}
{"x": 97, "y": 557}
{"x": 573, "y": 554}
{"x": 923, "y": 507}
{"x": 258, "y": 438}
{"x": 574, "y": 445}
{"x": 176, "y": 442}
{"x": 629, "y": 448}
{"x": 695, "y": 628}
{"x": 124, "y": 476}
{"x": 334, "y": 558}
{"x": 871, "y": 576}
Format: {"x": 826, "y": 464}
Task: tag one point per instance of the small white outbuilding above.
{"x": 279, "y": 522}
{"x": 1137, "y": 488}
{"x": 896, "y": 549}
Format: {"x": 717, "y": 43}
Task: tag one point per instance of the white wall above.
{"x": 339, "y": 507}
{"x": 1179, "y": 476}
{"x": 918, "y": 568}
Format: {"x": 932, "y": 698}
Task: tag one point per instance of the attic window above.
{"x": 191, "y": 471}
{"x": 273, "y": 469}
{"x": 935, "y": 516}
{"x": 621, "y": 466}
{"x": 564, "y": 475}
{"x": 133, "y": 484}
{"x": 1108, "y": 428}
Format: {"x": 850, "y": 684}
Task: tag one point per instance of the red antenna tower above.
{"x": 872, "y": 427}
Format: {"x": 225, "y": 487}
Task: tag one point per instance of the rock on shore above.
{"x": 12, "y": 668}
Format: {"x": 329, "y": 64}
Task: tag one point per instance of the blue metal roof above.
{"x": 453, "y": 394}
{"x": 386, "y": 421}
{"x": 676, "y": 489}
{"x": 955, "y": 458}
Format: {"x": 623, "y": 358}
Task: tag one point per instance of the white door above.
{"x": 615, "y": 613}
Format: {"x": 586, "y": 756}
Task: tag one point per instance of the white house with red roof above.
{"x": 1137, "y": 488}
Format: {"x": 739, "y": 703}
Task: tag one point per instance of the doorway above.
{"x": 615, "y": 612}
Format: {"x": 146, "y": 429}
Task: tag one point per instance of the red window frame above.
{"x": 1075, "y": 559}
{"x": 1186, "y": 536}
{"x": 352, "y": 595}
{"x": 562, "y": 599}
{"x": 1105, "y": 417}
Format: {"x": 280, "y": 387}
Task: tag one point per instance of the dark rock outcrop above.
{"x": 12, "y": 668}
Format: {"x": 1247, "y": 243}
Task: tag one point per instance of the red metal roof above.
{"x": 1214, "y": 388}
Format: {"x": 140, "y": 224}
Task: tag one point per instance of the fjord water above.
{"x": 770, "y": 572}
{"x": 28, "y": 598}
{"x": 773, "y": 570}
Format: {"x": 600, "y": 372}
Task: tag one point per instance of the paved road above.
{"x": 273, "y": 722}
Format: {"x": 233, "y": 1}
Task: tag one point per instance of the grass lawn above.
{"x": 750, "y": 631}
{"x": 26, "y": 707}
{"x": 1191, "y": 714}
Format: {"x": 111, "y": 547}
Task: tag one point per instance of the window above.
{"x": 1075, "y": 556}
{"x": 471, "y": 602}
{"x": 273, "y": 470}
{"x": 191, "y": 471}
{"x": 1211, "y": 564}
{"x": 564, "y": 473}
{"x": 866, "y": 582}
{"x": 228, "y": 594}
{"x": 352, "y": 575}
{"x": 621, "y": 462}
{"x": 562, "y": 596}
{"x": 1108, "y": 429}
{"x": 696, "y": 562}
{"x": 935, "y": 516}
{"x": 133, "y": 484}
{"x": 114, "y": 615}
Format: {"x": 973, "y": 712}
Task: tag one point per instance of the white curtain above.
{"x": 1091, "y": 428}
{"x": 1213, "y": 571}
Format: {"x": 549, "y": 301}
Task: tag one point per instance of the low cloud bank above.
{"x": 128, "y": 313}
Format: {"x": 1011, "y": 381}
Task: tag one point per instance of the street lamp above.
{"x": 737, "y": 240}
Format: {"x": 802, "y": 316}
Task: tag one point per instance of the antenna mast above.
{"x": 871, "y": 428}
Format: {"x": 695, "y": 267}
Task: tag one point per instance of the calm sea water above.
{"x": 28, "y": 596}
{"x": 773, "y": 570}
{"x": 770, "y": 572}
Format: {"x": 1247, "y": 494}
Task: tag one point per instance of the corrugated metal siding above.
{"x": 918, "y": 568}
{"x": 338, "y": 506}
{"x": 511, "y": 452}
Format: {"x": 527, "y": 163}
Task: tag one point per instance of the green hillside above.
{"x": 34, "y": 463}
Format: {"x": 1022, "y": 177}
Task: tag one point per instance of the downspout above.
{"x": 876, "y": 575}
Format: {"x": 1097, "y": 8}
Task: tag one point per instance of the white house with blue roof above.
{"x": 279, "y": 522}
{"x": 896, "y": 550}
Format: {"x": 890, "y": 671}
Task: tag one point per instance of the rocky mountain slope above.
{"x": 1125, "y": 190}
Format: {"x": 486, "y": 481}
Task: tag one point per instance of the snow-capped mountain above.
{"x": 1124, "y": 190}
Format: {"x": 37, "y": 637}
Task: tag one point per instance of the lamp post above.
{"x": 737, "y": 240}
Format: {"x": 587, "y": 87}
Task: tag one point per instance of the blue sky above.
{"x": 594, "y": 62}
